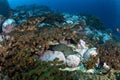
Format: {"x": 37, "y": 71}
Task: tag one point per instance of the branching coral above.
{"x": 30, "y": 24}
{"x": 91, "y": 62}
{"x": 110, "y": 53}
{"x": 23, "y": 66}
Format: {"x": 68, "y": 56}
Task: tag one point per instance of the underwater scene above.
{"x": 59, "y": 40}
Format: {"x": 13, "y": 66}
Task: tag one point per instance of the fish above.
{"x": 118, "y": 30}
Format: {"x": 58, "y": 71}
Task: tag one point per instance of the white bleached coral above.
{"x": 71, "y": 19}
{"x": 81, "y": 48}
{"x": 90, "y": 52}
{"x": 8, "y": 25}
{"x": 84, "y": 51}
{"x": 104, "y": 36}
{"x": 72, "y": 60}
{"x": 83, "y": 44}
{"x": 51, "y": 55}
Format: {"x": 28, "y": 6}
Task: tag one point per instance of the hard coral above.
{"x": 73, "y": 60}
{"x": 110, "y": 53}
{"x": 23, "y": 66}
{"x": 8, "y": 25}
{"x": 30, "y": 24}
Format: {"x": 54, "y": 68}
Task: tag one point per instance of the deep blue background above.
{"x": 107, "y": 10}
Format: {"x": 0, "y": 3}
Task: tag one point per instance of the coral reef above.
{"x": 50, "y": 46}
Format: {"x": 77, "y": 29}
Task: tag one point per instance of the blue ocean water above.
{"x": 106, "y": 10}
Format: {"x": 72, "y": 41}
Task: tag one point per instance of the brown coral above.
{"x": 110, "y": 53}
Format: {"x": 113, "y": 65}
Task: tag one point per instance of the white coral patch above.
{"x": 7, "y": 22}
{"x": 90, "y": 52}
{"x": 106, "y": 66}
{"x": 90, "y": 71}
{"x": 51, "y": 55}
{"x": 73, "y": 60}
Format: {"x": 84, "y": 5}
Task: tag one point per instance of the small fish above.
{"x": 110, "y": 34}
{"x": 118, "y": 30}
